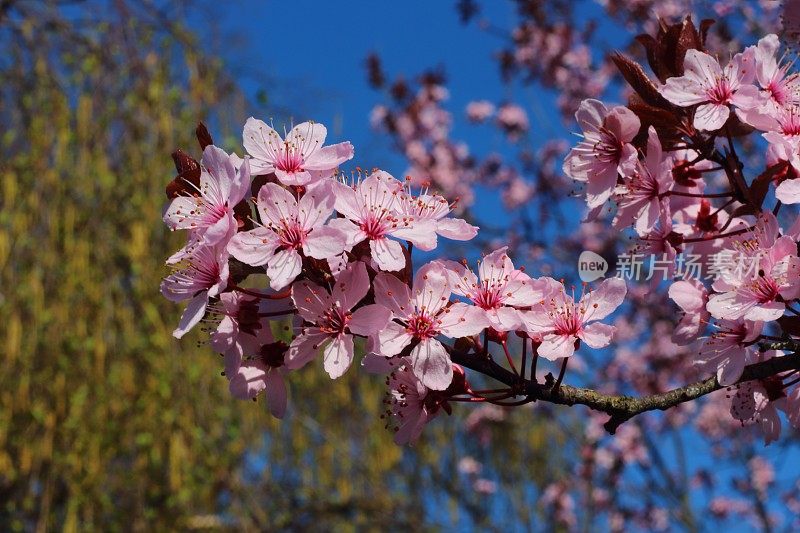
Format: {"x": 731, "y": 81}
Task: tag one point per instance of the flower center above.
{"x": 375, "y": 226}
{"x": 608, "y": 148}
{"x": 289, "y": 160}
{"x": 488, "y": 298}
{"x": 292, "y": 235}
{"x": 764, "y": 289}
{"x": 720, "y": 93}
{"x": 422, "y": 326}
{"x": 334, "y": 321}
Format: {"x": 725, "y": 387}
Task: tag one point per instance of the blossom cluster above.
{"x": 666, "y": 166}
{"x": 337, "y": 252}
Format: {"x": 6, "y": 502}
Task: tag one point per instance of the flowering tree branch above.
{"x": 622, "y": 408}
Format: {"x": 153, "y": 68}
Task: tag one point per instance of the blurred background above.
{"x": 108, "y": 423}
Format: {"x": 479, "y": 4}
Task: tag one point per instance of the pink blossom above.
{"x": 639, "y": 198}
{"x": 692, "y": 297}
{"x": 419, "y": 316}
{"x": 289, "y": 226}
{"x": 205, "y": 275}
{"x": 300, "y": 159}
{"x": 562, "y": 321}
{"x": 758, "y": 402}
{"x": 497, "y": 289}
{"x": 778, "y": 87}
{"x": 373, "y": 212}
{"x": 411, "y": 404}
{"x": 605, "y": 150}
{"x": 264, "y": 372}
{"x": 513, "y": 120}
{"x": 435, "y": 208}
{"x": 209, "y": 212}
{"x": 480, "y": 110}
{"x": 729, "y": 349}
{"x": 756, "y": 286}
{"x": 330, "y": 322}
{"x": 241, "y": 329}
{"x": 705, "y": 82}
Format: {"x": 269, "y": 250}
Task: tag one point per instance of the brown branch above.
{"x": 622, "y": 408}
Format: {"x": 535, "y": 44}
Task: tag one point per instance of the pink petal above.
{"x": 456, "y": 229}
{"x": 338, "y": 355}
{"x": 249, "y": 381}
{"x": 275, "y": 204}
{"x": 689, "y": 295}
{"x": 555, "y": 347}
{"x": 421, "y": 233}
{"x": 194, "y": 312}
{"x": 393, "y": 294}
{"x": 352, "y": 284}
{"x": 308, "y": 136}
{"x": 304, "y": 348}
{"x": 431, "y": 288}
{"x": 254, "y": 247}
{"x": 605, "y": 299}
{"x": 432, "y": 365}
{"x": 329, "y": 157}
{"x": 283, "y": 268}
{"x": 711, "y": 117}
{"x": 311, "y": 300}
{"x": 393, "y": 339}
{"x": 276, "y": 393}
{"x": 788, "y": 192}
{"x": 683, "y": 92}
{"x": 369, "y": 320}
{"x": 261, "y": 142}
{"x": 176, "y": 215}
{"x": 388, "y": 254}
{"x": 325, "y": 242}
{"x": 462, "y": 320}
{"x": 597, "y": 335}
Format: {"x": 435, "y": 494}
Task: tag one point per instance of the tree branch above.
{"x": 622, "y": 408}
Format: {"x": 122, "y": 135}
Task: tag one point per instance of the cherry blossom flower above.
{"x": 208, "y": 211}
{"x": 204, "y": 276}
{"x": 411, "y": 405}
{"x": 435, "y": 208}
{"x": 288, "y": 227}
{"x": 419, "y": 316}
{"x": 512, "y": 119}
{"x": 241, "y": 329}
{"x": 264, "y": 372}
{"x": 480, "y": 110}
{"x": 692, "y": 297}
{"x": 729, "y": 349}
{"x": 778, "y": 87}
{"x": 756, "y": 287}
{"x": 372, "y": 211}
{"x": 331, "y": 322}
{"x": 300, "y": 159}
{"x": 497, "y": 289}
{"x": 562, "y": 321}
{"x": 639, "y": 198}
{"x": 705, "y": 82}
{"x": 605, "y": 150}
{"x": 758, "y": 402}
